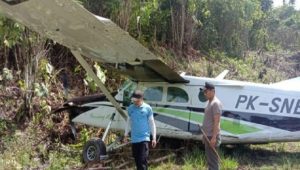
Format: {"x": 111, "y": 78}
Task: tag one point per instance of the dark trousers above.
{"x": 211, "y": 157}
{"x": 140, "y": 152}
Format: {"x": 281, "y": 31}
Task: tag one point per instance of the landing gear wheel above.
{"x": 93, "y": 151}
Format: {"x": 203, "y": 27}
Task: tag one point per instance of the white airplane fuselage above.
{"x": 252, "y": 113}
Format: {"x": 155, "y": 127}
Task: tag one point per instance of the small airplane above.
{"x": 252, "y": 112}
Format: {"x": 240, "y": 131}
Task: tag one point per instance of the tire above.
{"x": 92, "y": 150}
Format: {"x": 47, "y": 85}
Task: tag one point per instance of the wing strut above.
{"x": 91, "y": 73}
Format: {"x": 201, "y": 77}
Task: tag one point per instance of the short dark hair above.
{"x": 209, "y": 86}
{"x": 138, "y": 94}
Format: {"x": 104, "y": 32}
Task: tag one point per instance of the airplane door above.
{"x": 198, "y": 103}
{"x": 177, "y": 107}
{"x": 170, "y": 105}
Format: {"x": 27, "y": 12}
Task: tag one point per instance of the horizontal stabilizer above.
{"x": 291, "y": 84}
{"x": 222, "y": 75}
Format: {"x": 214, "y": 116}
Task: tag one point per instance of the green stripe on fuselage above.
{"x": 231, "y": 126}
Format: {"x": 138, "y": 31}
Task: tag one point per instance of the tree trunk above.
{"x": 172, "y": 25}
{"x": 124, "y": 15}
{"x": 182, "y": 24}
{"x": 17, "y": 49}
{"x": 5, "y": 57}
{"x": 27, "y": 53}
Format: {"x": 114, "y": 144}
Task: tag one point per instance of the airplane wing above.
{"x": 98, "y": 38}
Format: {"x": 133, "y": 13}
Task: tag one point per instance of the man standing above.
{"x": 211, "y": 126}
{"x": 141, "y": 122}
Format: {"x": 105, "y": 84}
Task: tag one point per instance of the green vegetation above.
{"x": 232, "y": 27}
{"x": 267, "y": 156}
{"x": 28, "y": 149}
{"x": 201, "y": 37}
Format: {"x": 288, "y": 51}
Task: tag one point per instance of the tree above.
{"x": 231, "y": 26}
{"x": 266, "y": 5}
{"x": 292, "y": 2}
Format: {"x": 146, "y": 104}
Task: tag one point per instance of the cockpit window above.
{"x": 153, "y": 93}
{"x": 129, "y": 87}
{"x": 177, "y": 95}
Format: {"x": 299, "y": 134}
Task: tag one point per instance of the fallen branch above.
{"x": 107, "y": 161}
{"x": 6, "y": 96}
{"x": 123, "y": 164}
{"x": 162, "y": 158}
{"x": 170, "y": 150}
{"x": 100, "y": 168}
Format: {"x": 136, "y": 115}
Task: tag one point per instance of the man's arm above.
{"x": 128, "y": 125}
{"x": 216, "y": 128}
{"x": 152, "y": 126}
{"x": 216, "y": 123}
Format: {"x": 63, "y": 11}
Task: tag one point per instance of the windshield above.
{"x": 126, "y": 83}
{"x": 128, "y": 88}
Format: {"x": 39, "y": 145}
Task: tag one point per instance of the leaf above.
{"x": 7, "y": 74}
{"x": 37, "y": 89}
{"x": 44, "y": 90}
{"x": 21, "y": 84}
{"x": 100, "y": 73}
{"x": 6, "y": 43}
{"x": 85, "y": 82}
{"x": 77, "y": 69}
{"x": 49, "y": 68}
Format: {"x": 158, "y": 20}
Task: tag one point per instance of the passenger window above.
{"x": 201, "y": 96}
{"x": 177, "y": 95}
{"x": 153, "y": 94}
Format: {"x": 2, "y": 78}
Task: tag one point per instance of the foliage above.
{"x": 6, "y": 75}
{"x": 23, "y": 153}
{"x": 10, "y": 32}
{"x": 89, "y": 82}
{"x": 227, "y": 26}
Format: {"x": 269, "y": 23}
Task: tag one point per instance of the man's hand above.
{"x": 125, "y": 139}
{"x": 213, "y": 141}
{"x": 153, "y": 143}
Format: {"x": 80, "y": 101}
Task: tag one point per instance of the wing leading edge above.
{"x": 95, "y": 37}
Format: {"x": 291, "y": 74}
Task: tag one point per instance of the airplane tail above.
{"x": 290, "y": 84}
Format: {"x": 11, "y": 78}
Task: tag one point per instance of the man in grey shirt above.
{"x": 211, "y": 126}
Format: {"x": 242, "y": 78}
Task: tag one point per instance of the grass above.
{"x": 278, "y": 156}
{"x": 22, "y": 153}
{"x": 195, "y": 159}
{"x": 26, "y": 150}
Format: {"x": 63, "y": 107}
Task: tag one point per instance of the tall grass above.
{"x": 194, "y": 159}
{"x": 275, "y": 156}
{"x": 23, "y": 151}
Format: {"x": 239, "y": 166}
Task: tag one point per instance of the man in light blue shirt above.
{"x": 141, "y": 122}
